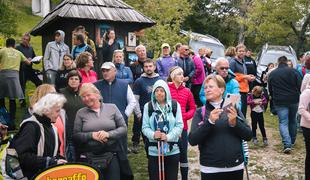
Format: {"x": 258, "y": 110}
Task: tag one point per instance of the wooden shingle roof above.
{"x": 101, "y": 10}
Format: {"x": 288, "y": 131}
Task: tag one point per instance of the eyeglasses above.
{"x": 224, "y": 68}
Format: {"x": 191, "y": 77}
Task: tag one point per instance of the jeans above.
{"x": 287, "y": 123}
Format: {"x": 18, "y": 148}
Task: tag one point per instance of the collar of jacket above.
{"x": 153, "y": 76}
{"x": 210, "y": 107}
{"x": 173, "y": 86}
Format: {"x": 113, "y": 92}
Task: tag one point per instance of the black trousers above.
{"x": 234, "y": 175}
{"x": 258, "y": 118}
{"x": 306, "y": 133}
{"x": 28, "y": 74}
{"x": 171, "y": 167}
{"x": 136, "y": 130}
{"x": 195, "y": 89}
{"x": 244, "y": 104}
{"x": 183, "y": 145}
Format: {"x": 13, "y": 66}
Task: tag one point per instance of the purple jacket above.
{"x": 163, "y": 65}
{"x": 200, "y": 74}
{"x": 250, "y": 100}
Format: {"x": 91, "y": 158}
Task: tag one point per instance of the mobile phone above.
{"x": 230, "y": 100}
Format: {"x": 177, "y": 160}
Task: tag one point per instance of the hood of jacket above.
{"x": 163, "y": 84}
{"x": 62, "y": 36}
{"x": 153, "y": 76}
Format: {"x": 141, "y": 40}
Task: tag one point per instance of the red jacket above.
{"x": 186, "y": 100}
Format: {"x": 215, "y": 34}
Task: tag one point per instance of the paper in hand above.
{"x": 36, "y": 59}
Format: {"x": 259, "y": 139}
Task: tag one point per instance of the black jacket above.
{"x": 220, "y": 145}
{"x": 73, "y": 104}
{"x": 136, "y": 69}
{"x": 61, "y": 78}
{"x": 284, "y": 85}
{"x": 26, "y": 141}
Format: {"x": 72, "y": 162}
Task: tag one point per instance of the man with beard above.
{"x": 142, "y": 89}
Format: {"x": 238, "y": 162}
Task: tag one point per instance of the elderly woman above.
{"x": 67, "y": 65}
{"x": 162, "y": 125}
{"x": 85, "y": 63}
{"x": 36, "y": 143}
{"x": 123, "y": 72}
{"x": 219, "y": 132}
{"x": 98, "y": 129}
{"x": 304, "y": 111}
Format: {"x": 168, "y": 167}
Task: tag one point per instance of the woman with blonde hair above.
{"x": 230, "y": 53}
{"x": 123, "y": 72}
{"x": 98, "y": 130}
{"x": 213, "y": 129}
{"x": 67, "y": 65}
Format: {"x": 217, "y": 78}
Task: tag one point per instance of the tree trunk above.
{"x": 241, "y": 35}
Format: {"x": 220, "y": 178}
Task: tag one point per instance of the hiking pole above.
{"x": 247, "y": 172}
{"x": 163, "y": 160}
{"x": 159, "y": 165}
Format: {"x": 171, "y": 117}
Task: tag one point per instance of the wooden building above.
{"x": 97, "y": 16}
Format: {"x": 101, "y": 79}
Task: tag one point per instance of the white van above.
{"x": 199, "y": 40}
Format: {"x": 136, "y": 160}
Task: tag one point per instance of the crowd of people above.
{"x": 81, "y": 114}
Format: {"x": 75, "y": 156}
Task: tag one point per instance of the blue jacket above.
{"x": 232, "y": 87}
{"x": 175, "y": 123}
{"x": 124, "y": 72}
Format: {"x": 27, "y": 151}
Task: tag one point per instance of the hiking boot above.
{"x": 135, "y": 149}
{"x": 287, "y": 150}
{"x": 255, "y": 141}
{"x": 265, "y": 142}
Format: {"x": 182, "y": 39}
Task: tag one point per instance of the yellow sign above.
{"x": 69, "y": 172}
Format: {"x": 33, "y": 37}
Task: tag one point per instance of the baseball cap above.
{"x": 107, "y": 65}
{"x": 165, "y": 45}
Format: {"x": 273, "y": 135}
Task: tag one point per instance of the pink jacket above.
{"x": 200, "y": 74}
{"x": 186, "y": 100}
{"x": 91, "y": 77}
{"x": 304, "y": 108}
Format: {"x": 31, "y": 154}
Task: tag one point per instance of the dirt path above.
{"x": 265, "y": 162}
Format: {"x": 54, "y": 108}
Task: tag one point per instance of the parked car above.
{"x": 270, "y": 54}
{"x": 197, "y": 41}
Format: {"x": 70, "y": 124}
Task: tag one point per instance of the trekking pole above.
{"x": 247, "y": 172}
{"x": 159, "y": 164}
{"x": 163, "y": 160}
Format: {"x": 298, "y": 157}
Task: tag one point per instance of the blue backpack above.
{"x": 4, "y": 116}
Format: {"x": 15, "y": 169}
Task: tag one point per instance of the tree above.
{"x": 8, "y": 19}
{"x": 221, "y": 19}
{"x": 168, "y": 16}
{"x": 280, "y": 22}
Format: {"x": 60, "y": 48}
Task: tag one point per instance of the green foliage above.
{"x": 274, "y": 21}
{"x": 168, "y": 16}
{"x": 8, "y": 20}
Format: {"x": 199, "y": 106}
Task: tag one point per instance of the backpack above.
{"x": 10, "y": 164}
{"x": 174, "y": 108}
{"x": 245, "y": 147}
{"x": 4, "y": 116}
{"x": 150, "y": 112}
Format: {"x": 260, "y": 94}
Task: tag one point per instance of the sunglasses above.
{"x": 224, "y": 68}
